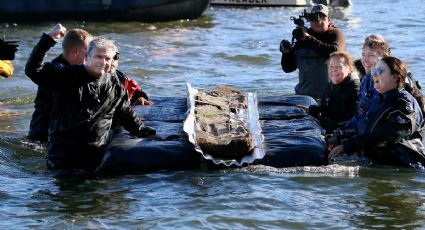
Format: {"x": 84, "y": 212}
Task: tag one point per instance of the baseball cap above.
{"x": 320, "y": 8}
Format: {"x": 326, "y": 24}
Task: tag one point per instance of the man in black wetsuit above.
{"x": 86, "y": 99}
{"x": 74, "y": 46}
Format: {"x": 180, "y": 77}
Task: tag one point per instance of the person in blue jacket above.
{"x": 373, "y": 50}
{"x": 359, "y": 63}
{"x": 389, "y": 131}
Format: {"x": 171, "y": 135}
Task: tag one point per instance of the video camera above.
{"x": 298, "y": 33}
{"x": 310, "y": 17}
{"x": 8, "y": 49}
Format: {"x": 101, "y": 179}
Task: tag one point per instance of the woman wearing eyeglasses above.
{"x": 388, "y": 132}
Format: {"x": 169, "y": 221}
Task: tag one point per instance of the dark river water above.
{"x": 232, "y": 46}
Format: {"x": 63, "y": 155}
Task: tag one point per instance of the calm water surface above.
{"x": 233, "y": 46}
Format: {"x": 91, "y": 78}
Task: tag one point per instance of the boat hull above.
{"x": 261, "y": 2}
{"x": 134, "y": 10}
{"x": 341, "y": 3}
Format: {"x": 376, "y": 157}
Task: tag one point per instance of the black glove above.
{"x": 328, "y": 124}
{"x": 344, "y": 133}
{"x": 146, "y": 131}
{"x": 332, "y": 140}
{"x": 284, "y": 45}
{"x": 314, "y": 111}
{"x": 299, "y": 33}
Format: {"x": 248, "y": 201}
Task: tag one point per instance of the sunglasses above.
{"x": 315, "y": 17}
{"x": 376, "y": 71}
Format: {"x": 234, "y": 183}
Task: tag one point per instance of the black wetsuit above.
{"x": 338, "y": 104}
{"x": 43, "y": 104}
{"x": 83, "y": 109}
{"x": 389, "y": 131}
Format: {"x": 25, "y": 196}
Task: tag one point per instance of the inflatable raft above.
{"x": 291, "y": 138}
{"x": 136, "y": 10}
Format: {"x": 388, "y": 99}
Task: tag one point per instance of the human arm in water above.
{"x": 399, "y": 123}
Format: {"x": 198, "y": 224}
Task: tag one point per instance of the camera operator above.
{"x": 311, "y": 51}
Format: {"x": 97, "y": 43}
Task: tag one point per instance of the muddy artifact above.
{"x": 221, "y": 129}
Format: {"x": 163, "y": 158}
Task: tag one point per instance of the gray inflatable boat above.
{"x": 291, "y": 138}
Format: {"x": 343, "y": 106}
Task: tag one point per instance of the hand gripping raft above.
{"x": 223, "y": 125}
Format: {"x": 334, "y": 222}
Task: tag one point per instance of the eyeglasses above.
{"x": 376, "y": 71}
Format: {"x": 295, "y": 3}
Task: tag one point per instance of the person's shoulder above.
{"x": 405, "y": 102}
{"x": 60, "y": 60}
{"x": 79, "y": 73}
{"x": 120, "y": 75}
{"x": 350, "y": 85}
{"x": 335, "y": 32}
{"x": 116, "y": 78}
{"x": 359, "y": 66}
{"x": 402, "y": 94}
{"x": 354, "y": 79}
{"x": 81, "y": 69}
{"x": 334, "y": 29}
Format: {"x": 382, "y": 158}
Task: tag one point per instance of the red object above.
{"x": 131, "y": 86}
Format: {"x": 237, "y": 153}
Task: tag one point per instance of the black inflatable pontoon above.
{"x": 292, "y": 138}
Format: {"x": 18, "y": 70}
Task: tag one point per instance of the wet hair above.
{"x": 75, "y": 38}
{"x": 102, "y": 43}
{"x": 348, "y": 59}
{"x": 399, "y": 69}
{"x": 378, "y": 43}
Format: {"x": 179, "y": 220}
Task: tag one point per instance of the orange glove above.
{"x": 6, "y": 68}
